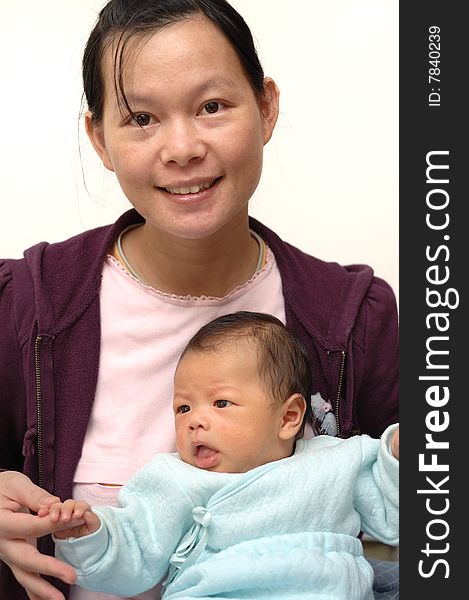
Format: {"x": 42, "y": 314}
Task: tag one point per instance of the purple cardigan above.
{"x": 50, "y": 343}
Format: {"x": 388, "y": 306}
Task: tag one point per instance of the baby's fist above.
{"x": 395, "y": 444}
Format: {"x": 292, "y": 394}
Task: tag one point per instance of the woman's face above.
{"x": 195, "y": 160}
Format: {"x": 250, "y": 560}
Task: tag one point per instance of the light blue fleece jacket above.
{"x": 285, "y": 530}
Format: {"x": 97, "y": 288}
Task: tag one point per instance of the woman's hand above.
{"x": 18, "y": 533}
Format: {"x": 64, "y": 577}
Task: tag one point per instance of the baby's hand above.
{"x": 71, "y": 518}
{"x": 395, "y": 444}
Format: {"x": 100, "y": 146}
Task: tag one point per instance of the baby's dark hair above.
{"x": 283, "y": 363}
{"x": 121, "y": 21}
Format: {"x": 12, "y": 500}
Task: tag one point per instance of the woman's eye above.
{"x": 211, "y": 107}
{"x": 142, "y": 119}
{"x": 222, "y": 403}
{"x": 184, "y": 408}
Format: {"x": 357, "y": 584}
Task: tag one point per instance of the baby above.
{"x": 246, "y": 508}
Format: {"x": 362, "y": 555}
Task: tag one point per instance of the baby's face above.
{"x": 224, "y": 420}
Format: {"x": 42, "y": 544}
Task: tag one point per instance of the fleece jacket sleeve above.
{"x": 130, "y": 552}
{"x": 376, "y": 495}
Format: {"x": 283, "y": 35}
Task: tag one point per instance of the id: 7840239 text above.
{"x": 434, "y": 71}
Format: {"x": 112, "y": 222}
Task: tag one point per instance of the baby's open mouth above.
{"x": 205, "y": 457}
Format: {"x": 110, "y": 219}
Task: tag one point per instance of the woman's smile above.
{"x": 190, "y": 191}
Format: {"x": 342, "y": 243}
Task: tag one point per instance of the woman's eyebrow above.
{"x": 215, "y": 82}
{"x": 204, "y": 86}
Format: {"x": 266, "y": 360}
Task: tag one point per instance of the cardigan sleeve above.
{"x": 130, "y": 552}
{"x": 12, "y": 389}
{"x": 376, "y": 360}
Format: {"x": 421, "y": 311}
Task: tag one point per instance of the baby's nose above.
{"x": 198, "y": 420}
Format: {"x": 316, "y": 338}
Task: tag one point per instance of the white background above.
{"x": 330, "y": 181}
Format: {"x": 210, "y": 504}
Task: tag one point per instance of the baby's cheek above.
{"x": 181, "y": 442}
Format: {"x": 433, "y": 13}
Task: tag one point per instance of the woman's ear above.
{"x": 269, "y": 106}
{"x": 294, "y": 409}
{"x": 96, "y": 135}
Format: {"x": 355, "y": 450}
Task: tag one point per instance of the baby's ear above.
{"x": 294, "y": 409}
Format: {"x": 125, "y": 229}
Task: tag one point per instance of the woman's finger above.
{"x": 16, "y": 487}
{"x": 36, "y": 587}
{"x": 22, "y": 556}
{"x": 22, "y": 525}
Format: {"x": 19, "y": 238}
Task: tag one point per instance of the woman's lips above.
{"x": 192, "y": 193}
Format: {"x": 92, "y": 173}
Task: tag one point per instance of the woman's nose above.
{"x": 182, "y": 143}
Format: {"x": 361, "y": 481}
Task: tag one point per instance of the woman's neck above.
{"x": 208, "y": 267}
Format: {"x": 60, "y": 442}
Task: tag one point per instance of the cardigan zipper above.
{"x": 39, "y": 407}
{"x": 339, "y": 389}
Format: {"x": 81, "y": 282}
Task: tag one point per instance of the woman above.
{"x": 92, "y": 327}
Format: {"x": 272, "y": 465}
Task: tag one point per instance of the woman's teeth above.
{"x": 193, "y": 189}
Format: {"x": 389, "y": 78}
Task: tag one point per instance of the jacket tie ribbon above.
{"x": 192, "y": 544}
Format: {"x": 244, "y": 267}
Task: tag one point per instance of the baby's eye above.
{"x": 141, "y": 119}
{"x": 212, "y": 107}
{"x": 222, "y": 403}
{"x": 184, "y": 408}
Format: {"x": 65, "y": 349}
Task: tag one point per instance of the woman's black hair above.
{"x": 122, "y": 20}
{"x": 283, "y": 363}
